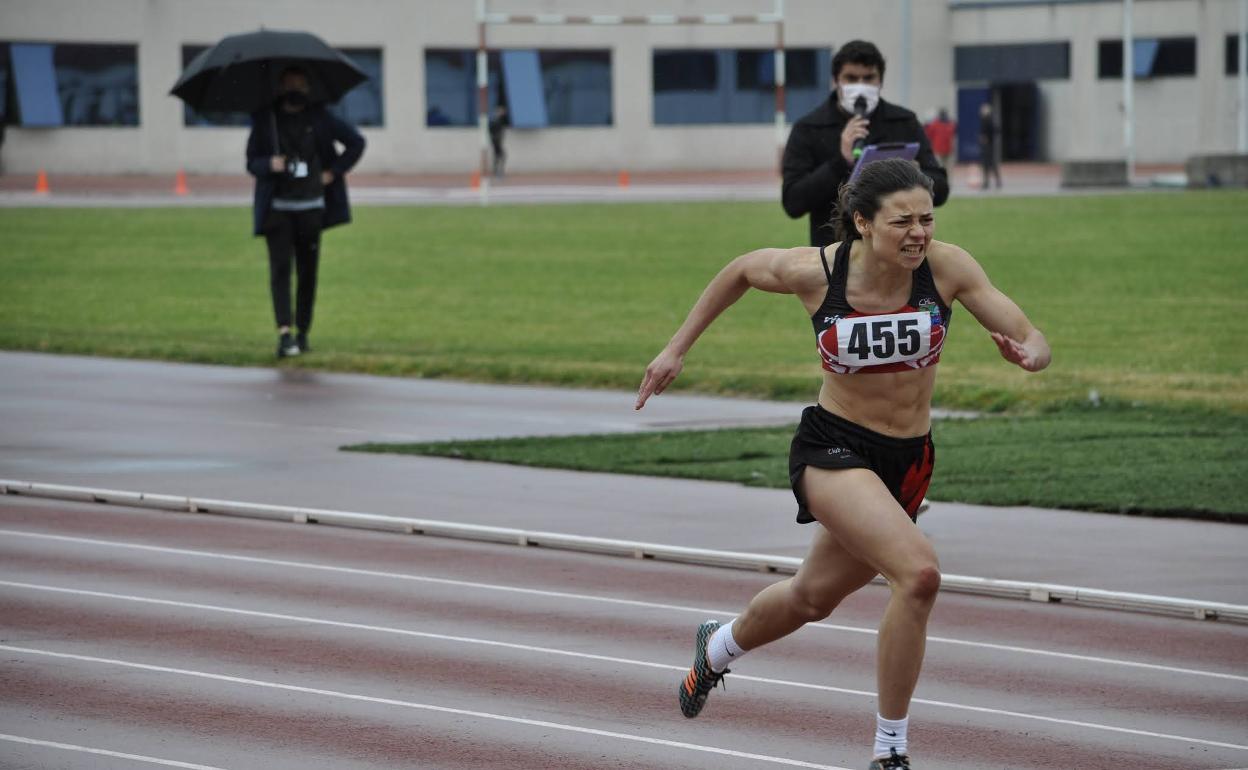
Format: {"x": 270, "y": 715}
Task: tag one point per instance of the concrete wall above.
{"x": 1083, "y": 113}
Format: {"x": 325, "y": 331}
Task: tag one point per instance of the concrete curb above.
{"x": 1007, "y": 589}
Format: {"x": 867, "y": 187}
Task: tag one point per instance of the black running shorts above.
{"x": 825, "y": 440}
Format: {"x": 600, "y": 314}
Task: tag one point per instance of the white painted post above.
{"x": 1128, "y": 90}
{"x": 483, "y": 105}
{"x": 781, "y": 78}
{"x": 903, "y": 95}
{"x": 1243, "y": 76}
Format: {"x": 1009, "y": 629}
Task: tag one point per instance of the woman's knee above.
{"x": 919, "y": 584}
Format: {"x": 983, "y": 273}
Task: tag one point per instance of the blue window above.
{"x": 736, "y": 86}
{"x": 571, "y": 86}
{"x": 1011, "y": 62}
{"x": 1232, "y": 54}
{"x": 72, "y": 84}
{"x": 361, "y": 106}
{"x": 1150, "y": 57}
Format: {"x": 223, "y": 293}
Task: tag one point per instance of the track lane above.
{"x": 819, "y": 726}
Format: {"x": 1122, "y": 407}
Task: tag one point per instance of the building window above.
{"x": 1232, "y": 54}
{"x": 361, "y": 106}
{"x": 1011, "y": 63}
{"x": 556, "y": 87}
{"x": 1150, "y": 56}
{"x": 71, "y": 84}
{"x": 736, "y": 86}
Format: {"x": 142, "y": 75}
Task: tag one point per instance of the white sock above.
{"x": 890, "y": 734}
{"x": 722, "y": 649}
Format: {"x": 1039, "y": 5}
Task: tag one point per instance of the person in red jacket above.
{"x": 940, "y": 132}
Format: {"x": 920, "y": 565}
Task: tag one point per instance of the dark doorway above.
{"x": 1018, "y": 110}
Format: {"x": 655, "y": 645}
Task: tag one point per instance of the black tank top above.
{"x": 910, "y": 337}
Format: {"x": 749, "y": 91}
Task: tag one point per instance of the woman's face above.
{"x": 901, "y": 231}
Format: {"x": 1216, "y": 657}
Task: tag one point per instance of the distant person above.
{"x": 819, "y": 157}
{"x": 881, "y": 303}
{"x": 498, "y": 125}
{"x": 300, "y": 190}
{"x": 988, "y": 146}
{"x": 940, "y": 132}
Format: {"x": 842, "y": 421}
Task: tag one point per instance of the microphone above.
{"x": 860, "y": 109}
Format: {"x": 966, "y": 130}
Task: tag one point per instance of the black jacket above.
{"x": 814, "y": 168}
{"x": 328, "y": 129}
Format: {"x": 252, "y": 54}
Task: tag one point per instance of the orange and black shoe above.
{"x": 893, "y": 761}
{"x": 701, "y": 679}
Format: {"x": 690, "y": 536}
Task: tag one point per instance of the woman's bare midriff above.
{"x": 896, "y": 404}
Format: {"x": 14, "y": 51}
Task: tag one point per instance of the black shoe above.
{"x": 301, "y": 339}
{"x": 286, "y": 346}
{"x": 700, "y": 680}
{"x": 893, "y": 761}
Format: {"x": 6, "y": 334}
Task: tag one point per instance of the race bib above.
{"x": 874, "y": 340}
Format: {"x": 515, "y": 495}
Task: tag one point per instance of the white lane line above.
{"x": 603, "y": 658}
{"x": 422, "y": 707}
{"x": 104, "y": 752}
{"x": 723, "y": 613}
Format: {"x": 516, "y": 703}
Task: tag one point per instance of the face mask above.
{"x": 295, "y": 98}
{"x": 851, "y": 91}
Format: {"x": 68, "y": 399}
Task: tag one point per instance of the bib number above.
{"x": 883, "y": 339}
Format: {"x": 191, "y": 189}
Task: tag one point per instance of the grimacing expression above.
{"x": 901, "y": 231}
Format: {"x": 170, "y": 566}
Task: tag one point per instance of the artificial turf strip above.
{"x": 1137, "y": 294}
{"x": 1148, "y": 461}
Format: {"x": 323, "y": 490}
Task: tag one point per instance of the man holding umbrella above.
{"x": 292, "y": 152}
{"x": 300, "y": 190}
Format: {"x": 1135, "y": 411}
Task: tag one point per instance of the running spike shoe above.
{"x": 893, "y": 761}
{"x": 701, "y": 679}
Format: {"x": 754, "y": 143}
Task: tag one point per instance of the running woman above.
{"x": 880, "y": 301}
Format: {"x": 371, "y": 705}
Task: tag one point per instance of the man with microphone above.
{"x": 825, "y": 144}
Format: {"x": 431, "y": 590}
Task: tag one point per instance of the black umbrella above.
{"x": 240, "y": 73}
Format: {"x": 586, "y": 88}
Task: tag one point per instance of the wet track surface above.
{"x": 198, "y": 641}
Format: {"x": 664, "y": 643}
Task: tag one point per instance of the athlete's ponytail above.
{"x": 866, "y": 193}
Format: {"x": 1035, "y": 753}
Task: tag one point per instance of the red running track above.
{"x": 134, "y": 639}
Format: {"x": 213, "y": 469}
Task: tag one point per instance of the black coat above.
{"x": 327, "y": 129}
{"x": 814, "y": 168}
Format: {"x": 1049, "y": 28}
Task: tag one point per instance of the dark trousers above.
{"x": 988, "y": 166}
{"x": 294, "y": 236}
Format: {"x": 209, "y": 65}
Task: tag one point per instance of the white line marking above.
{"x": 422, "y": 707}
{"x": 590, "y": 656}
{"x": 104, "y": 752}
{"x": 610, "y": 600}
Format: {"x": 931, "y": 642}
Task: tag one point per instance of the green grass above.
{"x": 1172, "y": 462}
{"x": 1138, "y": 294}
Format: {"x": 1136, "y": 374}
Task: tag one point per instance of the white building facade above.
{"x": 629, "y": 97}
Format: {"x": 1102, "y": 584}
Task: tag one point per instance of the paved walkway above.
{"x": 457, "y": 189}
{"x": 271, "y": 435}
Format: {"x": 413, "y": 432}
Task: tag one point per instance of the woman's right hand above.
{"x": 277, "y": 164}
{"x": 659, "y": 374}
{"x": 855, "y": 128}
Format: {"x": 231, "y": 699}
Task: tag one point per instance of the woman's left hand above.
{"x": 1032, "y": 354}
{"x": 327, "y": 178}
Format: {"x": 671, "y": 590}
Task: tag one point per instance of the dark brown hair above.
{"x": 866, "y": 193}
{"x": 857, "y": 52}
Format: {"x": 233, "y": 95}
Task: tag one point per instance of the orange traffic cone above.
{"x": 41, "y": 183}
{"x": 475, "y": 182}
{"x": 179, "y": 183}
{"x": 623, "y": 179}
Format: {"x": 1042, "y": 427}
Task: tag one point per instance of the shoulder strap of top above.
{"x": 840, "y": 268}
{"x": 824, "y": 259}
